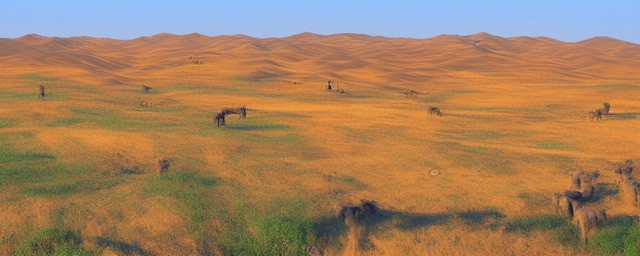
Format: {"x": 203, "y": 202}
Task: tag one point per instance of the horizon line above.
{"x": 319, "y": 34}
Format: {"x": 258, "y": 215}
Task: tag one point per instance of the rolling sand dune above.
{"x": 514, "y": 125}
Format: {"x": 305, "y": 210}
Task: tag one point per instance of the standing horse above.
{"x": 219, "y": 119}
{"x": 146, "y": 88}
{"x": 41, "y": 94}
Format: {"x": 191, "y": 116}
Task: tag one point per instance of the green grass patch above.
{"x": 55, "y": 242}
{"x": 65, "y": 122}
{"x": 192, "y": 190}
{"x": 284, "y": 231}
{"x": 7, "y": 155}
{"x": 5, "y": 123}
{"x": 37, "y": 78}
{"x": 4, "y": 95}
{"x": 620, "y": 237}
{"x": 111, "y": 120}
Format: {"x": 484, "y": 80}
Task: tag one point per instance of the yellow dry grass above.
{"x": 506, "y": 140}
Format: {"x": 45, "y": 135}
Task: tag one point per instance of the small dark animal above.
{"x": 434, "y": 110}
{"x": 219, "y": 119}
{"x": 329, "y": 86}
{"x": 240, "y": 111}
{"x": 146, "y": 88}
{"x": 41, "y": 94}
{"x": 163, "y": 164}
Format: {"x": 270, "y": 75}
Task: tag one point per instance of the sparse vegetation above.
{"x": 55, "y": 242}
{"x": 78, "y": 170}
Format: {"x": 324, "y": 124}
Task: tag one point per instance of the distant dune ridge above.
{"x": 348, "y": 56}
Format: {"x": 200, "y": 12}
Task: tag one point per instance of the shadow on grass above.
{"x": 330, "y": 228}
{"x": 122, "y": 247}
{"x": 258, "y": 127}
{"x": 624, "y": 116}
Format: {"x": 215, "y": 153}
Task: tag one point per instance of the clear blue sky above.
{"x": 567, "y": 20}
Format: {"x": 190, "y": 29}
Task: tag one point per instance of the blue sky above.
{"x": 567, "y": 20}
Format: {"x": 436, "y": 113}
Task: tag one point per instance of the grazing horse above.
{"x": 146, "y": 88}
{"x": 41, "y": 95}
{"x": 240, "y": 111}
{"x": 434, "y": 110}
{"x": 219, "y": 119}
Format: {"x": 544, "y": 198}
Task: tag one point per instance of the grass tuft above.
{"x": 54, "y": 241}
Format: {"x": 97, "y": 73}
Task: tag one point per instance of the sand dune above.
{"x": 343, "y": 54}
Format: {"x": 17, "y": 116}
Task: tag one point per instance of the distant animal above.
{"x": 146, "y": 88}
{"x": 564, "y": 205}
{"x": 588, "y": 220}
{"x": 219, "y": 119}
{"x": 594, "y": 115}
{"x": 410, "y": 93}
{"x": 605, "y": 109}
{"x": 146, "y": 104}
{"x": 329, "y": 85}
{"x": 240, "y": 111}
{"x": 163, "y": 164}
{"x": 624, "y": 171}
{"x": 601, "y": 112}
{"x": 41, "y": 94}
{"x": 434, "y": 110}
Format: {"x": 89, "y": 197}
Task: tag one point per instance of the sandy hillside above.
{"x": 515, "y": 124}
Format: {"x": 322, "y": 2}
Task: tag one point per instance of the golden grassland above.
{"x": 82, "y": 160}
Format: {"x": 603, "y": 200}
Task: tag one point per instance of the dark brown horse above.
{"x": 41, "y": 95}
{"x": 146, "y": 88}
{"x": 219, "y": 119}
